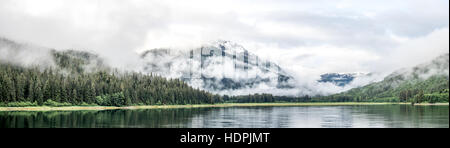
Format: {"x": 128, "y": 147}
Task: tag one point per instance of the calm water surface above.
{"x": 378, "y": 116}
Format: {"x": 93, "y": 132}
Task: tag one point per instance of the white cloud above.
{"x": 308, "y": 37}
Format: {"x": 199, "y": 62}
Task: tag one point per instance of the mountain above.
{"x": 339, "y": 79}
{"x": 70, "y": 61}
{"x": 221, "y": 65}
{"x": 426, "y": 78}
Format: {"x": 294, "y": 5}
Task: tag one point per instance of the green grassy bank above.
{"x": 73, "y": 108}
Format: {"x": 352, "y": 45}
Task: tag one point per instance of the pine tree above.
{"x": 10, "y": 90}
{"x": 39, "y": 96}
{"x": 47, "y": 91}
{"x": 31, "y": 91}
{"x": 75, "y": 96}
{"x": 3, "y": 88}
{"x": 91, "y": 93}
{"x": 20, "y": 87}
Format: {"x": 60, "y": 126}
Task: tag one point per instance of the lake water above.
{"x": 378, "y": 116}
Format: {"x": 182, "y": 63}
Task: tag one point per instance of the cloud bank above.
{"x": 306, "y": 38}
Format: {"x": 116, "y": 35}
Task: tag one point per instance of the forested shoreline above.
{"x": 35, "y": 87}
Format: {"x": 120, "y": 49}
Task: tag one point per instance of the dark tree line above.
{"x": 264, "y": 98}
{"x": 418, "y": 96}
{"x": 18, "y": 84}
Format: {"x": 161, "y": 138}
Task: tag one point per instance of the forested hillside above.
{"x": 72, "y": 61}
{"x": 31, "y": 86}
{"x": 427, "y": 82}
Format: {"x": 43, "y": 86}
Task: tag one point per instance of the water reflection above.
{"x": 237, "y": 117}
{"x": 155, "y": 118}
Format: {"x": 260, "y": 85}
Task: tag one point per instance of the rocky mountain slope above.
{"x": 217, "y": 66}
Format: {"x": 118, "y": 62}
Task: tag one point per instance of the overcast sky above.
{"x": 307, "y": 37}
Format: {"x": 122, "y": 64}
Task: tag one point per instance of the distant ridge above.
{"x": 430, "y": 77}
{"x": 339, "y": 79}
